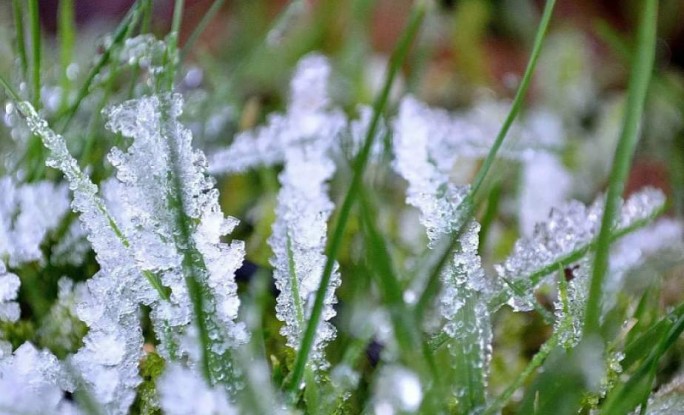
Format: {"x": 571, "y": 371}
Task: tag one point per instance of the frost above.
{"x": 298, "y": 243}
{"x": 27, "y": 213}
{"x": 183, "y": 392}
{"x": 299, "y": 232}
{"x": 33, "y": 382}
{"x": 9, "y": 289}
{"x": 113, "y": 385}
{"x": 309, "y": 116}
{"x": 396, "y": 390}
{"x": 466, "y": 289}
{"x": 545, "y": 184}
{"x": 569, "y": 228}
{"x": 174, "y": 224}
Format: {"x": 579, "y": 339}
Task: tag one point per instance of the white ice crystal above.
{"x": 9, "y": 288}
{"x": 111, "y": 381}
{"x": 546, "y": 184}
{"x": 182, "y": 391}
{"x": 33, "y": 382}
{"x": 171, "y": 215}
{"x": 419, "y": 133}
{"x": 298, "y": 244}
{"x": 27, "y": 213}
{"x": 569, "y": 228}
{"x": 309, "y": 115}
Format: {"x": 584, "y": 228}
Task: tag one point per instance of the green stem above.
{"x": 396, "y": 60}
{"x": 201, "y": 27}
{"x": 67, "y": 37}
{"x": 172, "y": 47}
{"x": 120, "y": 34}
{"x": 17, "y": 11}
{"x": 34, "y": 24}
{"x": 536, "y": 362}
{"x": 519, "y": 96}
{"x": 638, "y": 86}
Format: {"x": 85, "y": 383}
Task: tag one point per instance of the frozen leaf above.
{"x": 170, "y": 211}
{"x": 570, "y": 228}
{"x": 308, "y": 117}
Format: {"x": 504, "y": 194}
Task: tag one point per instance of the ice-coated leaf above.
{"x": 108, "y": 362}
{"x": 33, "y": 381}
{"x": 171, "y": 215}
{"x": 299, "y": 232}
{"x": 465, "y": 287}
{"x": 569, "y": 228}
{"x": 309, "y": 116}
{"x": 27, "y": 213}
{"x": 298, "y": 244}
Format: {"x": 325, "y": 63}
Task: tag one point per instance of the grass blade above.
{"x": 396, "y": 60}
{"x": 18, "y": 12}
{"x": 34, "y": 24}
{"x": 636, "y": 96}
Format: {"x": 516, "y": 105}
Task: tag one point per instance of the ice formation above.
{"x": 27, "y": 213}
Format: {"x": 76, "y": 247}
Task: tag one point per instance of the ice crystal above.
{"x": 174, "y": 224}
{"x": 27, "y": 213}
{"x": 298, "y": 243}
{"x": 33, "y": 382}
{"x": 309, "y": 116}
{"x": 9, "y": 288}
{"x": 545, "y": 184}
{"x": 466, "y": 288}
{"x": 569, "y": 228}
{"x": 183, "y": 392}
{"x": 108, "y": 361}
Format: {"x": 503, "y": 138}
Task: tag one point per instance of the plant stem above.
{"x": 409, "y": 33}
{"x": 636, "y": 96}
{"x": 518, "y": 99}
{"x": 201, "y": 27}
{"x": 34, "y": 24}
{"x": 17, "y": 11}
{"x": 120, "y": 34}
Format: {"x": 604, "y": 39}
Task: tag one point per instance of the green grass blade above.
{"x": 34, "y": 24}
{"x": 519, "y": 96}
{"x": 66, "y": 32}
{"x": 201, "y": 27}
{"x": 637, "y": 389}
{"x": 18, "y": 12}
{"x": 642, "y": 67}
{"x": 396, "y": 60}
{"x": 120, "y": 34}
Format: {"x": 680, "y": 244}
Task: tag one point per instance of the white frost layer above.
{"x": 27, "y": 213}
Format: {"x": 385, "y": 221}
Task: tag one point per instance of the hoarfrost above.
{"x": 29, "y": 373}
{"x": 569, "y": 228}
{"x": 182, "y": 391}
{"x": 9, "y": 289}
{"x": 174, "y": 223}
{"x": 27, "y": 213}
{"x": 308, "y": 116}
